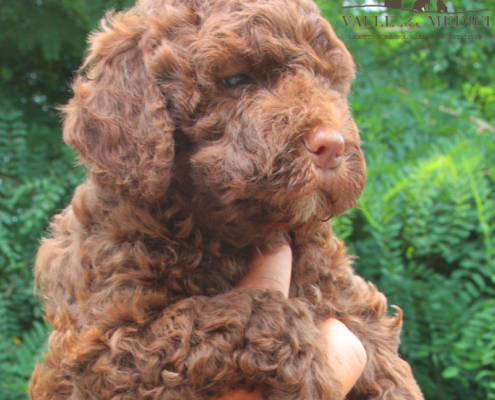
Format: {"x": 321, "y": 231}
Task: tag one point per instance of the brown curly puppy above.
{"x": 209, "y": 127}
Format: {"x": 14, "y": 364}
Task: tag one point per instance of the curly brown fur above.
{"x": 186, "y": 178}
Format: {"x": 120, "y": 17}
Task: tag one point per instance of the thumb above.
{"x": 346, "y": 353}
{"x": 270, "y": 269}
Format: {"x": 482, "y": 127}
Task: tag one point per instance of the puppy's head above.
{"x": 240, "y": 103}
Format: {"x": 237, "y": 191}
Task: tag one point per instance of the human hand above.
{"x": 272, "y": 270}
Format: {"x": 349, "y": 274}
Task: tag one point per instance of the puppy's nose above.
{"x": 327, "y": 145}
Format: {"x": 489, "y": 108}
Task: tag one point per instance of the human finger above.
{"x": 270, "y": 269}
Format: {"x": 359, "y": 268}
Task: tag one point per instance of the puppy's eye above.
{"x": 236, "y": 81}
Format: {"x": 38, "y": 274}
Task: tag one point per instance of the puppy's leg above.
{"x": 322, "y": 273}
{"x": 386, "y": 376}
{"x": 203, "y": 347}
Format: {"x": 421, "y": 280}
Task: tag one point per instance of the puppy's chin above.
{"x": 330, "y": 198}
{"x": 308, "y": 193}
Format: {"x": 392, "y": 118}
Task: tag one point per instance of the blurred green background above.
{"x": 424, "y": 227}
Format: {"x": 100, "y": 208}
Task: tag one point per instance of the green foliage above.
{"x": 32, "y": 188}
{"x": 424, "y": 228}
{"x": 17, "y": 365}
{"x": 424, "y": 234}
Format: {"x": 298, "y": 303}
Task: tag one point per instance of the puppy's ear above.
{"x": 119, "y": 120}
